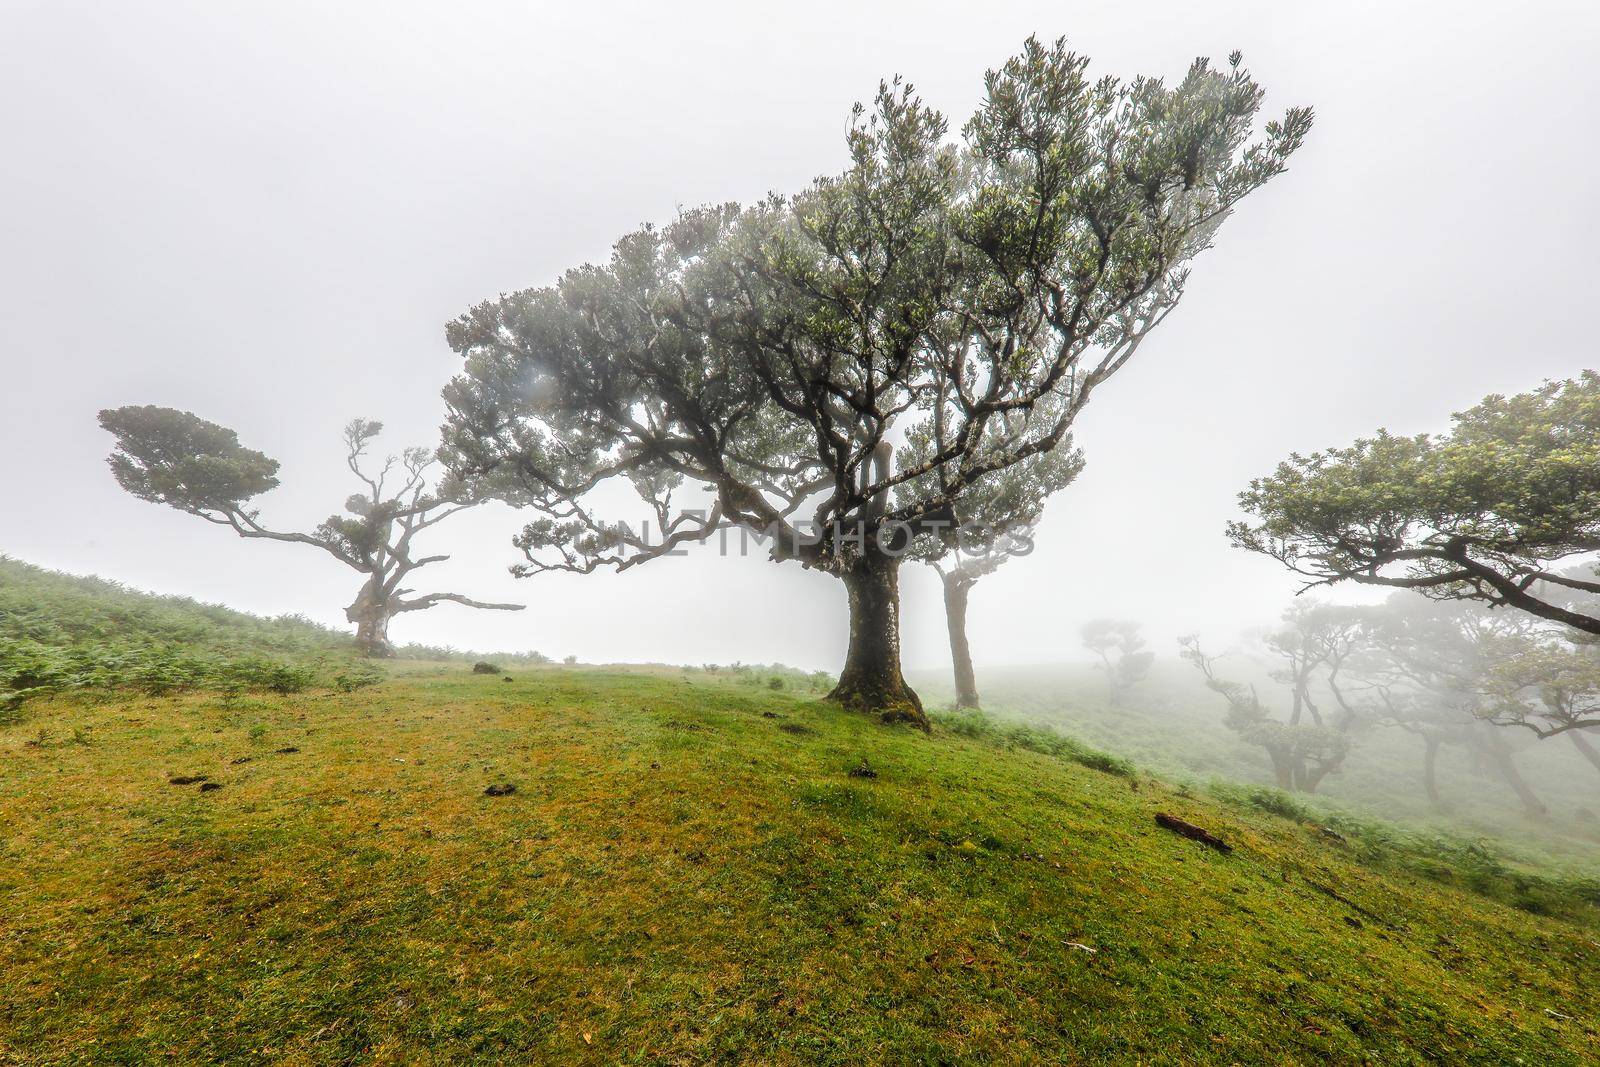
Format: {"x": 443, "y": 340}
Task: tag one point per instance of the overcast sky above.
{"x": 265, "y": 213}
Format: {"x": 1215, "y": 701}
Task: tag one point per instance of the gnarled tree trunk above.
{"x": 956, "y": 592}
{"x": 871, "y": 679}
{"x": 371, "y": 613}
{"x": 1284, "y": 772}
{"x": 1311, "y": 777}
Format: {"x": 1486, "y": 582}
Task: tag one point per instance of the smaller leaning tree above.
{"x": 175, "y": 458}
{"x": 1123, "y": 657}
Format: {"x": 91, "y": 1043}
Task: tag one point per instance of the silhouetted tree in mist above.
{"x": 1123, "y": 657}
{"x": 1316, "y": 646}
{"x": 1436, "y": 664}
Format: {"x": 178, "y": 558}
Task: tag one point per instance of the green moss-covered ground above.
{"x": 688, "y": 872}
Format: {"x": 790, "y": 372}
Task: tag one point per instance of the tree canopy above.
{"x": 181, "y": 460}
{"x": 1488, "y": 511}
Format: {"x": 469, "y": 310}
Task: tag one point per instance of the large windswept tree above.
{"x": 964, "y": 299}
{"x": 1496, "y": 510}
{"x": 175, "y": 458}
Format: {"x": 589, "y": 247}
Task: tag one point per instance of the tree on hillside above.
{"x": 1551, "y": 687}
{"x": 1123, "y": 657}
{"x": 178, "y": 459}
{"x": 1488, "y": 511}
{"x": 1317, "y": 646}
{"x": 963, "y": 299}
{"x": 1435, "y": 665}
{"x": 996, "y": 524}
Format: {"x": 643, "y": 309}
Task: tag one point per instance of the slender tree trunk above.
{"x": 1430, "y": 781}
{"x": 871, "y": 679}
{"x": 1283, "y": 771}
{"x": 956, "y": 591}
{"x": 1583, "y": 744}
{"x": 1500, "y": 758}
{"x": 1114, "y": 692}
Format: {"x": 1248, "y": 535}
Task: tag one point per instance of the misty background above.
{"x": 266, "y": 213}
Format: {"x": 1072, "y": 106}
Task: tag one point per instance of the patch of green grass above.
{"x": 1262, "y": 798}
{"x": 678, "y": 878}
{"x": 1450, "y": 859}
{"x": 973, "y": 723}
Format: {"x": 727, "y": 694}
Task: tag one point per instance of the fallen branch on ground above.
{"x": 1192, "y": 832}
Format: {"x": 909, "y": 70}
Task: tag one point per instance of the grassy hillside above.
{"x": 61, "y": 631}
{"x": 689, "y": 871}
{"x": 64, "y": 632}
{"x": 1173, "y": 726}
{"x": 72, "y": 611}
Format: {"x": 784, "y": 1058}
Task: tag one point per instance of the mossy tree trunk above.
{"x": 871, "y": 680}
{"x": 371, "y": 613}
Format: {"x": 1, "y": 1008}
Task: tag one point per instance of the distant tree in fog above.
{"x": 1487, "y": 512}
{"x": 1316, "y": 646}
{"x": 995, "y": 523}
{"x": 965, "y": 297}
{"x": 1123, "y": 657}
{"x": 1549, "y": 685}
{"x": 175, "y": 458}
{"x": 1440, "y": 670}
